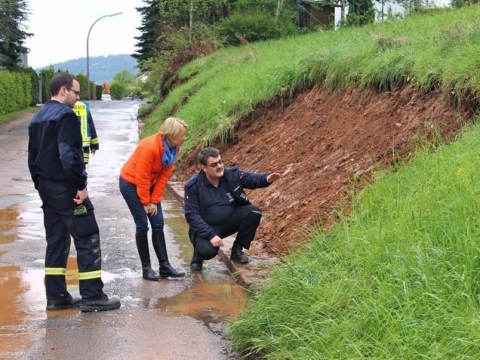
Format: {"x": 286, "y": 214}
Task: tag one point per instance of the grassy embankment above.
{"x": 398, "y": 278}
{"x": 16, "y": 114}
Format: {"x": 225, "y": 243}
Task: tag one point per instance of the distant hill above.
{"x": 101, "y": 68}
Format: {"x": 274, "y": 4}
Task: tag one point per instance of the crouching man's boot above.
{"x": 143, "y": 251}
{"x": 196, "y": 264}
{"x": 166, "y": 270}
{"x": 238, "y": 255}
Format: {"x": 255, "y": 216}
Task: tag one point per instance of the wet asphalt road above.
{"x": 169, "y": 319}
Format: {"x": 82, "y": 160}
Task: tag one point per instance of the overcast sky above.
{"x": 60, "y": 29}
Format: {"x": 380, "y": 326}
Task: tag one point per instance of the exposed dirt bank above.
{"x": 326, "y": 144}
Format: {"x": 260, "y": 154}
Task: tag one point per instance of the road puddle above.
{"x": 214, "y": 296}
{"x": 23, "y": 292}
{"x": 21, "y": 302}
{"x": 8, "y": 224}
{"x": 210, "y": 303}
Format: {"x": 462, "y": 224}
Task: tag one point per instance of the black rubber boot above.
{"x": 196, "y": 264}
{"x": 166, "y": 270}
{"x": 238, "y": 255}
{"x": 143, "y": 251}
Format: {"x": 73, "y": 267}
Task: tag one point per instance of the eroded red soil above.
{"x": 326, "y": 144}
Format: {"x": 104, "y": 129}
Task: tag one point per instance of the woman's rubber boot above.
{"x": 166, "y": 270}
{"x": 143, "y": 251}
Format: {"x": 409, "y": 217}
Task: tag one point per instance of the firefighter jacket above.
{"x": 196, "y": 197}
{"x": 55, "y": 146}
{"x": 87, "y": 127}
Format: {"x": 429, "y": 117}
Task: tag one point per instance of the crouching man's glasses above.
{"x": 215, "y": 164}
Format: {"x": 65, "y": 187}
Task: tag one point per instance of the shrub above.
{"x": 249, "y": 26}
{"x": 117, "y": 90}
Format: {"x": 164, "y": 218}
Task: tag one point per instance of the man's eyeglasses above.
{"x": 215, "y": 164}
{"x": 75, "y": 91}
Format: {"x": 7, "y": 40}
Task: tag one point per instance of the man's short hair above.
{"x": 204, "y": 154}
{"x": 59, "y": 80}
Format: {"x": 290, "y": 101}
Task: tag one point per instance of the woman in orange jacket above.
{"x": 143, "y": 180}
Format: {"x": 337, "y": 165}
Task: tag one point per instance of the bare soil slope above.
{"x": 326, "y": 144}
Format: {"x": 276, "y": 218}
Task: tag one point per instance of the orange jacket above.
{"x": 145, "y": 170}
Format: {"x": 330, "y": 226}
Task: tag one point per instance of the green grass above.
{"x": 16, "y": 114}
{"x": 398, "y": 279}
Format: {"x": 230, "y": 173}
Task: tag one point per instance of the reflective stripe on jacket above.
{"x": 81, "y": 110}
{"x": 89, "y": 134}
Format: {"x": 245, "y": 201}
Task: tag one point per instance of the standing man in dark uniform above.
{"x": 216, "y": 206}
{"x": 55, "y": 161}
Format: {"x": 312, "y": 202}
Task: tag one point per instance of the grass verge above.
{"x": 13, "y": 115}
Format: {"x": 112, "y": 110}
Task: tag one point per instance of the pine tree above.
{"x": 162, "y": 19}
{"x": 151, "y": 24}
{"x": 12, "y": 32}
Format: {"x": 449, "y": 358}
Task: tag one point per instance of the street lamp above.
{"x": 88, "y": 58}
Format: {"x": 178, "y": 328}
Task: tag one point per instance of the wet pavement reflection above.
{"x": 208, "y": 302}
{"x": 210, "y": 296}
{"x": 8, "y": 225}
{"x": 214, "y": 296}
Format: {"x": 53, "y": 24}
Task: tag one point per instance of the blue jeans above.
{"x": 129, "y": 193}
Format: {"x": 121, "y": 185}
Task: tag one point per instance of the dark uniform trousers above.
{"x": 59, "y": 222}
{"x": 244, "y": 221}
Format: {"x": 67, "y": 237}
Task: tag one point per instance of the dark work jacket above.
{"x": 195, "y": 197}
{"x": 55, "y": 146}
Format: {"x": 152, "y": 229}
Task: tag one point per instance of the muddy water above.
{"x": 214, "y": 296}
{"x": 209, "y": 297}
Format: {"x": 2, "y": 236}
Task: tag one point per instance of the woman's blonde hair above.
{"x": 172, "y": 127}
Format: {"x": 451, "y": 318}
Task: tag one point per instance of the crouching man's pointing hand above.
{"x": 273, "y": 177}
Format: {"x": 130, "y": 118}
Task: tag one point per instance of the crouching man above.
{"x": 216, "y": 206}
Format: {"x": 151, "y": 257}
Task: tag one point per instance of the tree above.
{"x": 46, "y": 75}
{"x": 12, "y": 32}
{"x": 147, "y": 41}
{"x": 162, "y": 19}
{"x": 125, "y": 77}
